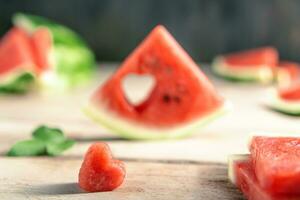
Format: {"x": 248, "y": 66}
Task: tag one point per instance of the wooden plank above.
{"x": 227, "y": 135}
{"x": 56, "y": 178}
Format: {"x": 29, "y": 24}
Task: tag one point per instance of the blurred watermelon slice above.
{"x": 182, "y": 99}
{"x": 285, "y": 100}
{"x": 70, "y": 61}
{"x": 287, "y": 73}
{"x": 251, "y": 65}
{"x": 285, "y": 96}
{"x": 17, "y": 62}
{"x": 290, "y": 94}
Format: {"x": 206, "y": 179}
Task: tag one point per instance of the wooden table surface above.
{"x": 191, "y": 168}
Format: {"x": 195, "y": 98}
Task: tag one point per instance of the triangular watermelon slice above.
{"x": 181, "y": 100}
{"x": 65, "y": 58}
{"x": 251, "y": 65}
{"x": 17, "y": 62}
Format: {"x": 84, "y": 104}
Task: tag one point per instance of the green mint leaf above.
{"x": 28, "y": 148}
{"x": 46, "y": 134}
{"x": 46, "y": 141}
{"x": 54, "y": 149}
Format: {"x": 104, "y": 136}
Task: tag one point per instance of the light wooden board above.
{"x": 56, "y": 178}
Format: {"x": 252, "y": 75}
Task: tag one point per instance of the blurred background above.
{"x": 205, "y": 28}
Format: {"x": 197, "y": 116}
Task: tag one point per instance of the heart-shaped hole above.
{"x": 137, "y": 87}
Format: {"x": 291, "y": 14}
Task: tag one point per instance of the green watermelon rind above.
{"x": 261, "y": 75}
{"x": 231, "y": 161}
{"x": 73, "y": 61}
{"x": 17, "y": 83}
{"x": 287, "y": 107}
{"x": 132, "y": 130}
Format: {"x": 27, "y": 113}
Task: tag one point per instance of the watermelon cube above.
{"x": 242, "y": 174}
{"x": 276, "y": 162}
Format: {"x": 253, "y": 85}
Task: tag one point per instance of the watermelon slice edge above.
{"x": 20, "y": 83}
{"x": 132, "y": 130}
{"x": 275, "y": 102}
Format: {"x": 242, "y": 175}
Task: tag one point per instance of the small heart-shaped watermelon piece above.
{"x": 99, "y": 171}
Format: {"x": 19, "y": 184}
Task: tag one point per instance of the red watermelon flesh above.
{"x": 15, "y": 52}
{"x": 292, "y": 69}
{"x": 181, "y": 93}
{"x": 276, "y": 161}
{"x": 246, "y": 181}
{"x": 41, "y": 45}
{"x": 259, "y": 57}
{"x": 99, "y": 171}
{"x": 290, "y": 93}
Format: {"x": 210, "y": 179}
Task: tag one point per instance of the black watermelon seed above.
{"x": 166, "y": 98}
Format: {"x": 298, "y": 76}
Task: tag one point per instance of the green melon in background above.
{"x": 72, "y": 61}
